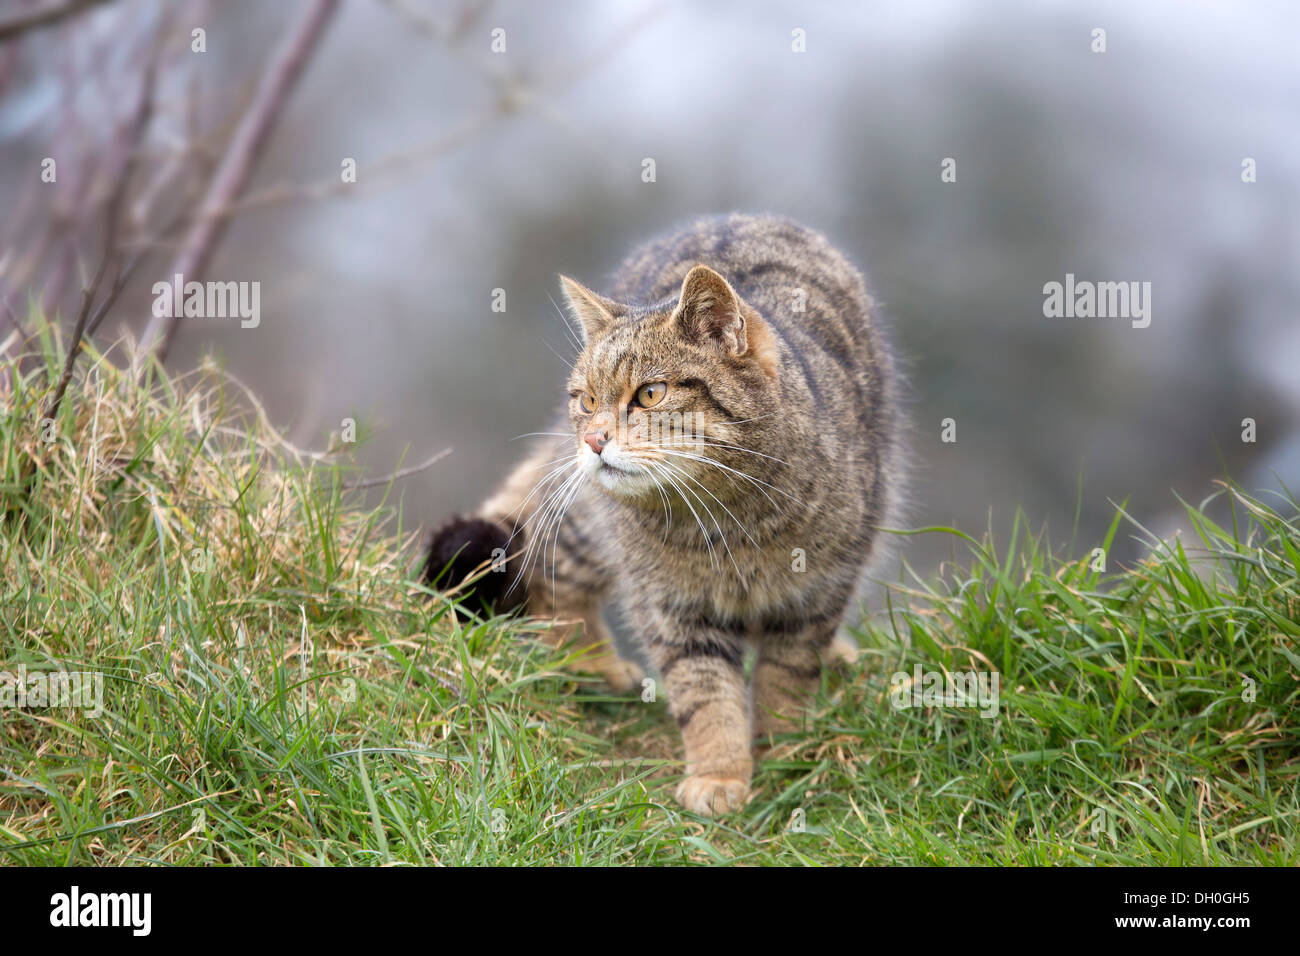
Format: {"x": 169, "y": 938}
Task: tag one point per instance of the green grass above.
{"x": 278, "y": 690}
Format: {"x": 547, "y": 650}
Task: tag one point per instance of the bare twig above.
{"x": 123, "y": 276}
{"x": 140, "y": 249}
{"x": 373, "y": 172}
{"x": 43, "y": 15}
{"x": 112, "y": 220}
{"x": 400, "y": 473}
{"x": 245, "y": 147}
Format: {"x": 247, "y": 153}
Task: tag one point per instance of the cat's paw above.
{"x": 622, "y": 676}
{"x": 463, "y": 545}
{"x": 712, "y": 794}
{"x": 844, "y": 649}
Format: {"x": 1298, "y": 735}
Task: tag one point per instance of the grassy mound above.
{"x": 278, "y": 689}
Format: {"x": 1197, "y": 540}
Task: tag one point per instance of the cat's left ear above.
{"x": 594, "y": 312}
{"x": 710, "y": 310}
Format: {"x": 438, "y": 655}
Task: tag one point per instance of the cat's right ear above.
{"x": 594, "y": 312}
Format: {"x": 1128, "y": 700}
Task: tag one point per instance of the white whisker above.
{"x": 703, "y": 488}
{"x": 681, "y": 492}
{"x": 564, "y": 317}
{"x": 716, "y": 443}
{"x": 536, "y": 434}
{"x": 740, "y": 474}
{"x": 686, "y": 477}
{"x": 540, "y": 515}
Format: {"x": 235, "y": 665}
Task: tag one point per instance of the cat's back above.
{"x": 807, "y": 291}
{"x": 792, "y": 274}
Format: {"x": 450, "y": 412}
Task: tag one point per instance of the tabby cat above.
{"x": 729, "y": 453}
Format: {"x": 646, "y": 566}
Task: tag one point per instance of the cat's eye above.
{"x": 586, "y": 402}
{"x": 652, "y": 394}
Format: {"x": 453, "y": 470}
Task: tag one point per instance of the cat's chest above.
{"x": 734, "y": 580}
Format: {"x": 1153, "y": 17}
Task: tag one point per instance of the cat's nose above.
{"x": 596, "y": 440}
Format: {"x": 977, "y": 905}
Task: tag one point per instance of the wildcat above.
{"x": 730, "y": 450}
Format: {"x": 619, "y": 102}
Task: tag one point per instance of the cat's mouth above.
{"x": 609, "y": 474}
{"x": 614, "y": 472}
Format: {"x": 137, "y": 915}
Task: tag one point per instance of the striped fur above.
{"x": 792, "y": 449}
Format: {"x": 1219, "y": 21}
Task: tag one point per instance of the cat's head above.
{"x": 671, "y": 399}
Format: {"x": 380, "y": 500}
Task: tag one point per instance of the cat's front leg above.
{"x": 577, "y": 615}
{"x": 788, "y": 672}
{"x": 701, "y": 666}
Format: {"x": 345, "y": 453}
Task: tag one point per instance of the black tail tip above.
{"x": 463, "y": 544}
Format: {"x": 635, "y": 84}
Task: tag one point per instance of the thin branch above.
{"x": 143, "y": 211}
{"x": 112, "y": 220}
{"x": 43, "y": 15}
{"x": 400, "y": 473}
{"x": 245, "y": 147}
{"x": 123, "y": 276}
{"x": 369, "y": 174}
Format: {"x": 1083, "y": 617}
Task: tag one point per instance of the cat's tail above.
{"x": 466, "y": 545}
{"x": 490, "y": 544}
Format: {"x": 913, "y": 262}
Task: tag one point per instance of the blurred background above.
{"x": 480, "y": 169}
